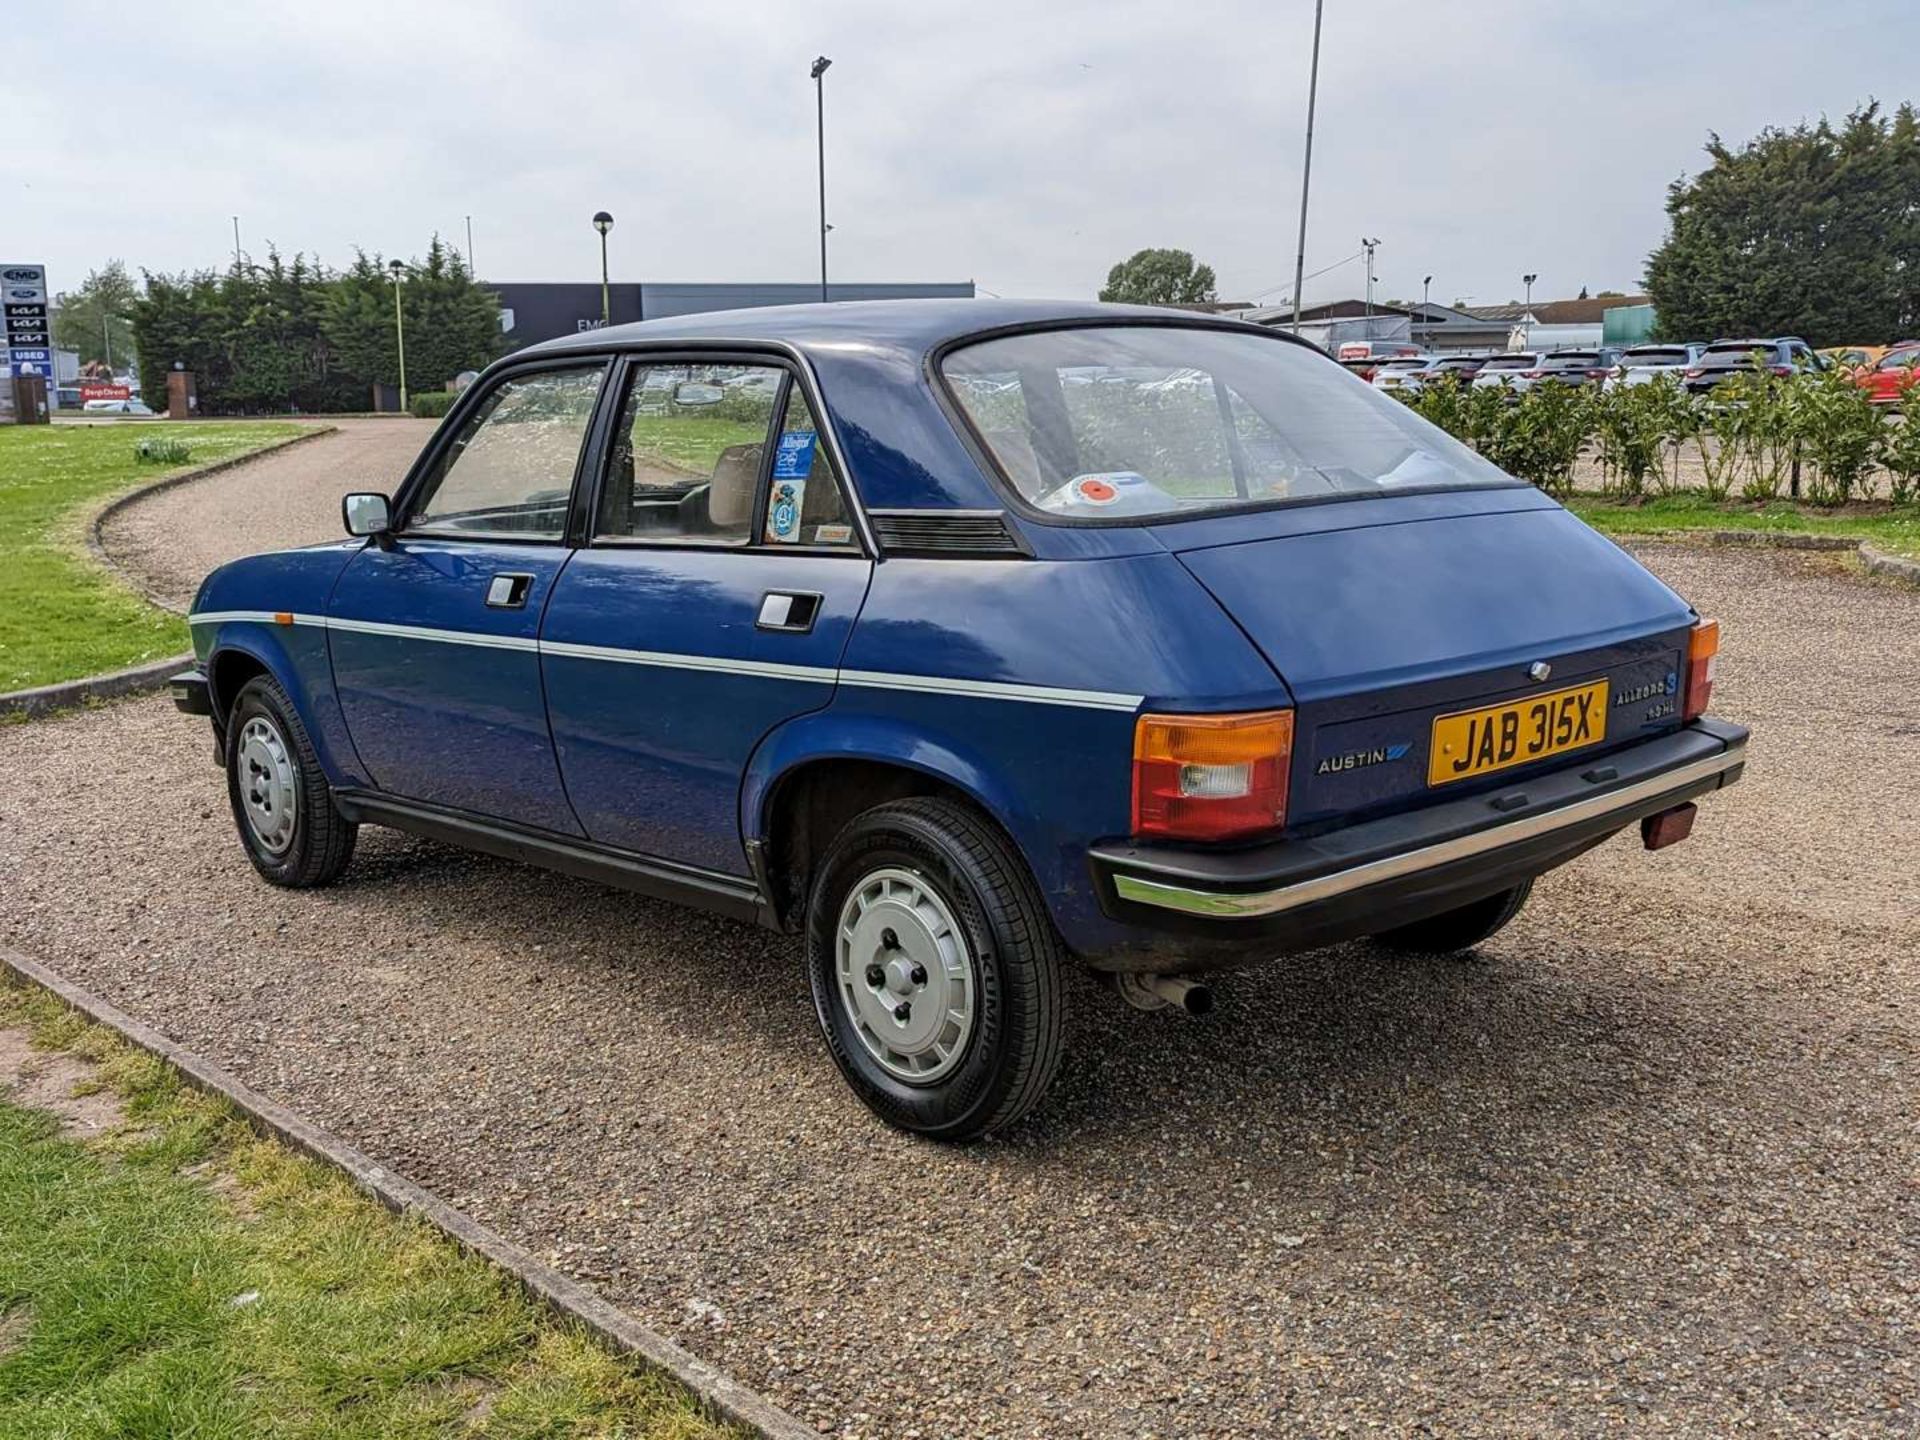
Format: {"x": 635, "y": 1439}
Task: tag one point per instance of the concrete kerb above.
{"x": 89, "y": 689}
{"x": 724, "y": 1396}
{"x": 1873, "y": 561}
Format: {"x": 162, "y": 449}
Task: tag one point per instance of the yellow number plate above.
{"x": 1477, "y": 742}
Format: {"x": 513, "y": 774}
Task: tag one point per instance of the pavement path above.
{"x": 1647, "y": 1163}
{"x": 166, "y": 543}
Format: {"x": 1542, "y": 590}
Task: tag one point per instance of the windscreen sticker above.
{"x": 793, "y": 458}
{"x": 783, "y": 510}
{"x": 1103, "y": 489}
{"x": 832, "y": 534}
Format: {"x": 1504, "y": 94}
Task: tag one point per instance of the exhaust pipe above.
{"x": 1157, "y": 992}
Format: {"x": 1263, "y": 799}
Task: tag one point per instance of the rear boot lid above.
{"x": 1382, "y": 629}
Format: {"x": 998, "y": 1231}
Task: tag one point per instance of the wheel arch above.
{"x": 814, "y": 775}
{"x": 240, "y": 652}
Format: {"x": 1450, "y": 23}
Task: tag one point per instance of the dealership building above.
{"x": 532, "y": 311}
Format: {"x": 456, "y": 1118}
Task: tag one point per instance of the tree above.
{"x": 1159, "y": 277}
{"x": 452, "y": 321}
{"x": 97, "y": 319}
{"x": 1813, "y": 231}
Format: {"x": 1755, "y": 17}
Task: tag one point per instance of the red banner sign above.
{"x": 105, "y": 392}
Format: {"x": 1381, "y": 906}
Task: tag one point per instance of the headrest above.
{"x": 736, "y": 475}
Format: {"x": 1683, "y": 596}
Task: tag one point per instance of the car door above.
{"x": 435, "y": 633}
{"x": 720, "y": 579}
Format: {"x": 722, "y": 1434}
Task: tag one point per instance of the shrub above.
{"x": 1542, "y": 436}
{"x": 162, "y": 452}
{"x": 1899, "y": 451}
{"x": 1632, "y": 424}
{"x": 1840, "y": 430}
{"x": 431, "y": 404}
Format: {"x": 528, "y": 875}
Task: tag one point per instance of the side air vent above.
{"x": 947, "y": 533}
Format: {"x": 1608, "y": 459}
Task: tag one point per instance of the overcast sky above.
{"x": 1021, "y": 144}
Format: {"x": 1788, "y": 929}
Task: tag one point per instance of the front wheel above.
{"x": 935, "y": 970}
{"x": 282, "y": 805}
{"x": 1460, "y": 929}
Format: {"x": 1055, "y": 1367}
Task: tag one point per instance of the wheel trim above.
{"x": 268, "y": 784}
{"x": 899, "y": 948}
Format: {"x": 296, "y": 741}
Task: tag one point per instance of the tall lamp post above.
{"x": 1306, "y": 168}
{"x": 1369, "y": 245}
{"x": 603, "y": 222}
{"x": 398, "y": 270}
{"x": 818, "y": 71}
{"x": 1526, "y": 314}
{"x": 1426, "y": 320}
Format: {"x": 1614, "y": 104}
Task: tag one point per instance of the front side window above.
{"x": 688, "y": 453}
{"x": 509, "y": 473}
{"x": 1109, "y": 421}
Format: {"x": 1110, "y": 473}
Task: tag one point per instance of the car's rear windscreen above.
{"x": 1736, "y": 357}
{"x": 1571, "y": 360}
{"x": 1646, "y": 359}
{"x": 1124, "y": 421}
{"x": 1511, "y": 362}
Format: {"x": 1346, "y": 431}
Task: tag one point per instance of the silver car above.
{"x": 1642, "y": 364}
{"x": 1513, "y": 372}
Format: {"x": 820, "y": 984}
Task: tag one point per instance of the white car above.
{"x": 1513, "y": 372}
{"x": 1641, "y": 364}
{"x": 116, "y": 407}
{"x": 1403, "y": 372}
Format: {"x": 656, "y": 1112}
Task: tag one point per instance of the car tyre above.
{"x": 1460, "y": 929}
{"x": 282, "y": 804}
{"x": 923, "y": 903}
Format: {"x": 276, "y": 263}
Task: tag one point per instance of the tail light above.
{"x": 1211, "y": 777}
{"x": 1696, "y": 372}
{"x": 1781, "y": 369}
{"x": 1600, "y": 372}
{"x": 1533, "y": 374}
{"x": 1703, "y": 648}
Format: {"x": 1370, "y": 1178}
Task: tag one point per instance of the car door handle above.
{"x": 791, "y": 611}
{"x": 508, "y": 590}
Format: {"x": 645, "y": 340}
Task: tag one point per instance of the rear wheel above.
{"x": 1460, "y": 929}
{"x": 935, "y": 970}
{"x": 282, "y": 805}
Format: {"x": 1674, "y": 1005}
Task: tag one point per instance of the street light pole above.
{"x": 1306, "y": 168}
{"x": 1526, "y": 313}
{"x": 1426, "y": 320}
{"x": 603, "y": 222}
{"x": 471, "y": 272}
{"x": 818, "y": 71}
{"x": 236, "y": 243}
{"x": 1368, "y": 246}
{"x": 396, "y": 269}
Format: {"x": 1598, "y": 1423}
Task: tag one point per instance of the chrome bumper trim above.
{"x": 1229, "y": 904}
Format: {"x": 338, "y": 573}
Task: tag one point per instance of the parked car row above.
{"x": 1888, "y": 375}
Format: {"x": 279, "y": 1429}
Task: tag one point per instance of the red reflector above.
{"x": 1669, "y": 827}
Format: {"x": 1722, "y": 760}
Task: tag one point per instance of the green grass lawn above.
{"x": 1894, "y": 530}
{"x": 692, "y": 442}
{"x": 182, "y": 1276}
{"x": 61, "y": 616}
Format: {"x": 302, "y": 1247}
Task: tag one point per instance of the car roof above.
{"x": 904, "y": 326}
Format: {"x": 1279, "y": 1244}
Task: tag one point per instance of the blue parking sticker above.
{"x": 784, "y": 507}
{"x": 793, "y": 459}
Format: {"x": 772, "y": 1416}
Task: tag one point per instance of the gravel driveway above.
{"x": 166, "y": 542}
{"x": 1647, "y": 1164}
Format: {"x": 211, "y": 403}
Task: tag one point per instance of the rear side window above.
{"x": 509, "y": 473}
{"x": 804, "y": 501}
{"x": 1901, "y": 360}
{"x": 1105, "y": 422}
{"x": 688, "y": 453}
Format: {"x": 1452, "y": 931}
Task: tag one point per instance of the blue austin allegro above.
{"x": 964, "y": 638}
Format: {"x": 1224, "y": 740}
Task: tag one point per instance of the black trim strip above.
{"x": 732, "y": 896}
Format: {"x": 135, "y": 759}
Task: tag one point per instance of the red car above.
{"x": 1889, "y": 382}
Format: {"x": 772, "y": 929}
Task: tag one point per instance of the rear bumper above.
{"x": 1364, "y": 878}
